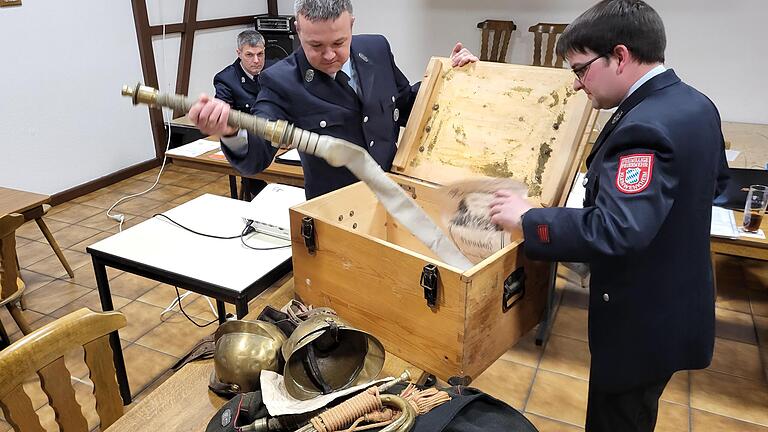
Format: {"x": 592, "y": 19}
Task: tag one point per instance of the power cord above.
{"x": 119, "y": 217}
{"x": 196, "y": 232}
{"x": 246, "y": 230}
{"x": 249, "y": 229}
{"x": 179, "y": 297}
{"x": 181, "y": 308}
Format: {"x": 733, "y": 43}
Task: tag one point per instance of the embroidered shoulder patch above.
{"x": 635, "y": 172}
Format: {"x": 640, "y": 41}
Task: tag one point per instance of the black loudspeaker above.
{"x": 280, "y": 38}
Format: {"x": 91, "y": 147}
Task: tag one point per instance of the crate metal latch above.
{"x": 429, "y": 276}
{"x": 514, "y": 289}
{"x": 308, "y": 232}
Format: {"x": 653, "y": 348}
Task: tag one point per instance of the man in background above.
{"x": 336, "y": 84}
{"x": 238, "y": 85}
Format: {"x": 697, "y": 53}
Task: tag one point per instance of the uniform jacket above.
{"x": 292, "y": 90}
{"x": 235, "y": 88}
{"x": 644, "y": 230}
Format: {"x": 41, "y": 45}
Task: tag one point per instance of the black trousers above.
{"x": 250, "y": 187}
{"x": 631, "y": 411}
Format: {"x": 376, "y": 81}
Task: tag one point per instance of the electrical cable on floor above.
{"x": 181, "y": 308}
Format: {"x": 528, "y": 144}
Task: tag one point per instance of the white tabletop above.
{"x": 226, "y": 263}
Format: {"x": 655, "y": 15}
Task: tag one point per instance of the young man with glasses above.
{"x": 644, "y": 228}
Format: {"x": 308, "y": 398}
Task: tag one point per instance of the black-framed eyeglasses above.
{"x": 582, "y": 70}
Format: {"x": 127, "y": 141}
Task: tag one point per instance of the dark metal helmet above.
{"x": 325, "y": 354}
{"x": 243, "y": 349}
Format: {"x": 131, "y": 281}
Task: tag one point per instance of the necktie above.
{"x": 343, "y": 79}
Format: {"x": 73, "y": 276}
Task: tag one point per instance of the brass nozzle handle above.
{"x": 279, "y": 132}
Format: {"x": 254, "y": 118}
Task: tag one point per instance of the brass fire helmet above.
{"x": 243, "y": 350}
{"x": 325, "y": 354}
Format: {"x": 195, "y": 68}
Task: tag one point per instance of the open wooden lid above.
{"x": 494, "y": 120}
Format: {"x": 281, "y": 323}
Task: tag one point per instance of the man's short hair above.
{"x": 322, "y": 10}
{"x": 632, "y": 23}
{"x": 249, "y": 38}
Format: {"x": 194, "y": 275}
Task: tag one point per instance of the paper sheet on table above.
{"x": 279, "y": 402}
{"x": 723, "y": 223}
{"x": 731, "y": 155}
{"x": 195, "y": 148}
{"x": 289, "y": 156}
{"x": 756, "y": 235}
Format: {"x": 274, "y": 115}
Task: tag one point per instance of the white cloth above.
{"x": 279, "y": 402}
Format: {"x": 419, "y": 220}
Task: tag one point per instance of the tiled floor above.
{"x": 548, "y": 383}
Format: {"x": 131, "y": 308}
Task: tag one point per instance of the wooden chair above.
{"x": 32, "y": 206}
{"x": 42, "y": 352}
{"x": 11, "y": 285}
{"x": 502, "y": 32}
{"x": 552, "y": 31}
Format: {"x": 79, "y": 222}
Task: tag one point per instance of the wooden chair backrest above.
{"x": 553, "y": 31}
{"x": 502, "y": 32}
{"x": 42, "y": 352}
{"x": 9, "y": 263}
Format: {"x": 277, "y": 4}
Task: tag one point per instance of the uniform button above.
{"x": 323, "y": 123}
{"x": 606, "y": 297}
{"x": 365, "y": 119}
{"x": 370, "y": 144}
{"x": 393, "y": 98}
{"x": 247, "y": 106}
{"x": 585, "y": 181}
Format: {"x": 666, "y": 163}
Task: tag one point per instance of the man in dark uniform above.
{"x": 644, "y": 228}
{"x": 335, "y": 84}
{"x": 238, "y": 85}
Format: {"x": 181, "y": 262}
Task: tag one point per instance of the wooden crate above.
{"x": 487, "y": 119}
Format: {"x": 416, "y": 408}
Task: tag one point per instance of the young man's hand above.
{"x": 507, "y": 210}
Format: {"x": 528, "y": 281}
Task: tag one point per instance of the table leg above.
{"x": 545, "y": 326}
{"x": 222, "y": 311}
{"x": 102, "y": 283}
{"x": 233, "y": 187}
{"x": 245, "y": 190}
{"x": 242, "y": 308}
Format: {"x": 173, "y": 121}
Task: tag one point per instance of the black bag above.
{"x": 469, "y": 410}
{"x": 472, "y": 410}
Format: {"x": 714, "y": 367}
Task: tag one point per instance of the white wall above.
{"x": 716, "y": 46}
{"x": 62, "y": 119}
{"x": 63, "y": 123}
